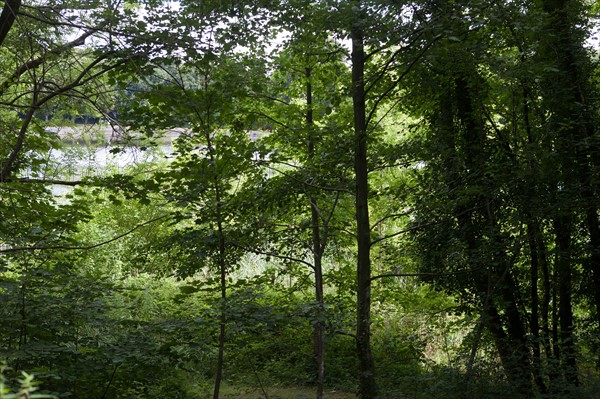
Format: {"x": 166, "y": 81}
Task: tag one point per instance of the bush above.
{"x": 27, "y": 386}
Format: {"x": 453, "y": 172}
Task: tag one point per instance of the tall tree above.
{"x": 570, "y": 100}
{"x": 309, "y": 69}
{"x": 510, "y": 117}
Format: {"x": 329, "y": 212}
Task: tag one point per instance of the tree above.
{"x": 481, "y": 125}
{"x": 214, "y": 154}
{"x": 56, "y": 57}
{"x": 307, "y": 165}
{"x": 374, "y": 80}
{"x": 57, "y": 60}
{"x": 572, "y": 123}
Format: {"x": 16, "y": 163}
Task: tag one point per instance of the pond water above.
{"x": 75, "y": 161}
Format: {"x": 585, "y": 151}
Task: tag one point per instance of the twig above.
{"x": 46, "y": 181}
{"x": 424, "y": 274}
{"x": 82, "y": 248}
{"x": 110, "y": 381}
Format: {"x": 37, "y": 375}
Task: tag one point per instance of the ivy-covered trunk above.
{"x": 570, "y": 100}
{"x": 477, "y": 211}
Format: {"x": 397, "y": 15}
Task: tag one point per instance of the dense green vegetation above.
{"x": 365, "y": 199}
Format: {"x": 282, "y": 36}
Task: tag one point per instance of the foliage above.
{"x": 27, "y": 385}
{"x": 394, "y": 196}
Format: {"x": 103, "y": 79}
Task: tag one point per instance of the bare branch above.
{"x": 306, "y": 183}
{"x": 400, "y": 78}
{"x": 31, "y": 64}
{"x": 399, "y": 232}
{"x": 393, "y": 215}
{"x": 46, "y": 181}
{"x": 390, "y": 61}
{"x": 417, "y": 227}
{"x": 12, "y": 157}
{"x": 274, "y": 255}
{"x": 82, "y": 79}
{"x": 386, "y": 275}
{"x": 338, "y": 332}
{"x": 85, "y": 247}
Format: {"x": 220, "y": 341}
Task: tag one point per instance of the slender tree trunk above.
{"x": 539, "y": 260}
{"x": 572, "y": 101}
{"x": 594, "y": 229}
{"x": 547, "y": 292}
{"x": 563, "y": 229}
{"x": 534, "y": 320}
{"x": 222, "y": 321}
{"x": 23, "y": 312}
{"x": 319, "y": 329}
{"x": 555, "y": 341}
{"x": 366, "y": 366}
{"x": 317, "y": 248}
{"x": 222, "y": 263}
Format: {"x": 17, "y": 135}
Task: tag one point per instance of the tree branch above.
{"x": 31, "y": 64}
{"x": 306, "y": 183}
{"x": 46, "y": 181}
{"x": 394, "y": 215}
{"x": 12, "y": 157}
{"x": 274, "y": 254}
{"x": 389, "y": 63}
{"x": 338, "y": 332}
{"x": 417, "y": 227}
{"x": 8, "y": 17}
{"x": 386, "y": 275}
{"x": 399, "y": 79}
{"x": 81, "y": 248}
{"x": 407, "y": 230}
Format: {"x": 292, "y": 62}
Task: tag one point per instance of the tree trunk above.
{"x": 510, "y": 358}
{"x": 317, "y": 249}
{"x": 570, "y": 97}
{"x": 366, "y": 366}
{"x": 537, "y": 339}
{"x": 555, "y": 320}
{"x": 563, "y": 227}
{"x": 547, "y": 293}
{"x": 8, "y": 17}
{"x": 222, "y": 264}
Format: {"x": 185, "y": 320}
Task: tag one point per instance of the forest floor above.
{"x": 280, "y": 393}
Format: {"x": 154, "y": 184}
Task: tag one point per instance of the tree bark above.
{"x": 509, "y": 331}
{"x": 563, "y": 231}
{"x": 222, "y": 264}
{"x": 317, "y": 249}
{"x": 8, "y": 17}
{"x": 570, "y": 100}
{"x": 534, "y": 321}
{"x": 366, "y": 366}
